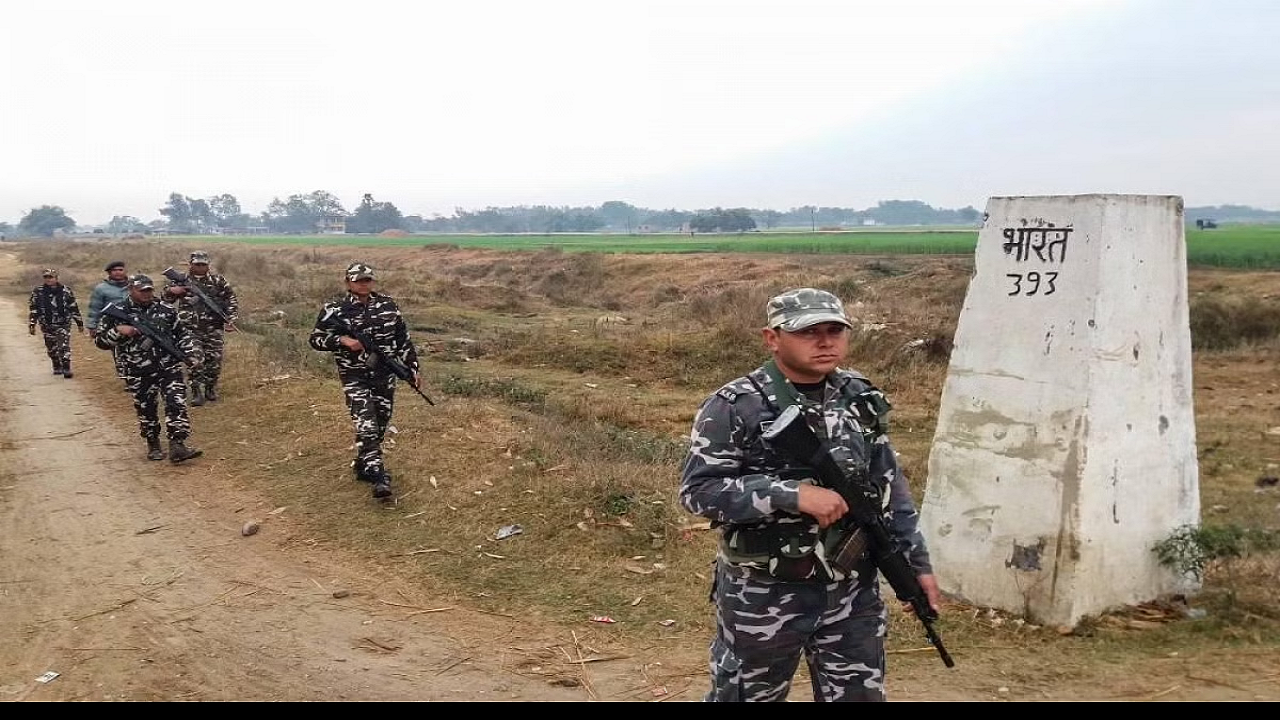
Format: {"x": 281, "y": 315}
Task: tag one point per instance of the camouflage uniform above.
{"x": 107, "y": 291}
{"x": 150, "y": 373}
{"x": 206, "y": 326}
{"x": 54, "y": 308}
{"x": 369, "y": 387}
{"x": 776, "y": 593}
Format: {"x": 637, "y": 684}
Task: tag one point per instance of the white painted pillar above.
{"x": 1065, "y": 447}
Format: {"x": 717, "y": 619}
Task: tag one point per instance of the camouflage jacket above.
{"x": 380, "y": 320}
{"x": 53, "y": 306}
{"x": 194, "y": 311}
{"x": 138, "y": 353}
{"x": 732, "y": 477}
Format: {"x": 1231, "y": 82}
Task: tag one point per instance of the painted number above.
{"x": 1033, "y": 283}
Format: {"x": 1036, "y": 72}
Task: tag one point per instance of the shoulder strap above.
{"x": 787, "y": 395}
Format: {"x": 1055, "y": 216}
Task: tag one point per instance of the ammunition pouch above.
{"x": 785, "y": 550}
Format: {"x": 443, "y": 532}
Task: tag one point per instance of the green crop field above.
{"x": 1242, "y": 246}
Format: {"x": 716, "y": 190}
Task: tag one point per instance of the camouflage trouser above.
{"x": 763, "y": 625}
{"x": 148, "y": 389}
{"x": 57, "y": 344}
{"x": 370, "y": 398}
{"x": 207, "y": 349}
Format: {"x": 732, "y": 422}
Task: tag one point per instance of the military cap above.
{"x": 50, "y": 272}
{"x": 359, "y": 271}
{"x": 142, "y": 282}
{"x": 113, "y": 265}
{"x": 199, "y": 257}
{"x": 803, "y": 307}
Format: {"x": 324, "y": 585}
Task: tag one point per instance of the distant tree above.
{"x": 721, "y": 220}
{"x": 324, "y": 203}
{"x": 178, "y": 210}
{"x": 301, "y": 214}
{"x": 489, "y": 220}
{"x": 902, "y": 212}
{"x": 202, "y": 218}
{"x": 121, "y": 224}
{"x": 44, "y": 221}
{"x": 618, "y": 214}
{"x": 374, "y": 217}
{"x": 769, "y": 218}
{"x": 671, "y": 219}
{"x": 224, "y": 209}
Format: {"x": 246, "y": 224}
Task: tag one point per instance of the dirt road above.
{"x": 131, "y": 582}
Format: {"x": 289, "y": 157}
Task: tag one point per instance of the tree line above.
{"x": 321, "y": 211}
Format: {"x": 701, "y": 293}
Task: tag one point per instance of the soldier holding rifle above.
{"x": 779, "y": 590}
{"x": 367, "y": 374}
{"x": 153, "y": 345}
{"x": 208, "y": 305}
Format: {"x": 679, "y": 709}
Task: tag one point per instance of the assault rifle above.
{"x": 792, "y": 435}
{"x": 185, "y": 281}
{"x": 332, "y": 320}
{"x": 155, "y": 334}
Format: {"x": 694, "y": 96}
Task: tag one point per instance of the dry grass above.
{"x": 565, "y": 385}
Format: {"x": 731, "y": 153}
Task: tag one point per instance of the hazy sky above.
{"x": 109, "y": 107}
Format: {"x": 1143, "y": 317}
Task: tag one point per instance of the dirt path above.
{"x": 132, "y": 582}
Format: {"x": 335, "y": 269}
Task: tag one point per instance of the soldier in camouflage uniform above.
{"x": 53, "y": 307}
{"x": 152, "y": 373}
{"x": 368, "y": 385}
{"x": 777, "y": 594}
{"x": 207, "y": 326}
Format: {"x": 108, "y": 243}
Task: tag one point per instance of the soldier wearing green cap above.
{"x": 152, "y": 374}
{"x": 778, "y": 594}
{"x": 53, "y": 307}
{"x": 368, "y": 385}
{"x": 206, "y": 323}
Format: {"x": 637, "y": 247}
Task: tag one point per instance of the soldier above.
{"x": 368, "y": 385}
{"x": 777, "y": 594}
{"x": 151, "y": 371}
{"x": 113, "y": 289}
{"x": 206, "y": 324}
{"x": 53, "y": 306}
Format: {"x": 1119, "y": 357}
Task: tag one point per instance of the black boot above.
{"x": 178, "y": 452}
{"x": 197, "y": 394}
{"x": 210, "y": 393}
{"x": 382, "y": 486}
{"x": 66, "y": 370}
{"x": 154, "y": 452}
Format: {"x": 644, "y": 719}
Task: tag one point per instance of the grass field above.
{"x": 1239, "y": 246}
{"x": 565, "y": 384}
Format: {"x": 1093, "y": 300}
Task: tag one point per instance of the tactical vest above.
{"x": 793, "y": 548}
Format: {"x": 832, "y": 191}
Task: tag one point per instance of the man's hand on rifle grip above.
{"x": 822, "y": 504}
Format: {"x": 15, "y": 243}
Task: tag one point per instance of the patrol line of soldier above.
{"x": 149, "y": 373}
{"x": 362, "y": 315}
